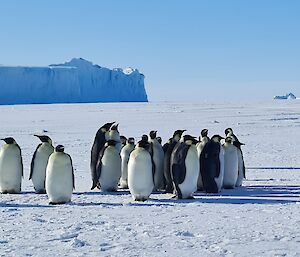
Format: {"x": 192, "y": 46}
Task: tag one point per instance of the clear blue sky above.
{"x": 188, "y": 50}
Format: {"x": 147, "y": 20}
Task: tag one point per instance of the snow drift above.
{"x": 77, "y": 81}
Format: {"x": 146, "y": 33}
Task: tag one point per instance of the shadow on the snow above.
{"x": 23, "y": 205}
{"x": 122, "y": 192}
{"x": 253, "y": 195}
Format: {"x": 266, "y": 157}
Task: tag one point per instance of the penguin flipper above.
{"x": 153, "y": 163}
{"x": 73, "y": 177}
{"x": 32, "y": 162}
{"x": 21, "y": 159}
{"x": 97, "y": 172}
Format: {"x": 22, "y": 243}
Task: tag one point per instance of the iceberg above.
{"x": 76, "y": 81}
{"x": 285, "y": 97}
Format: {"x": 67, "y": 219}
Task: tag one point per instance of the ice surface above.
{"x": 259, "y": 219}
{"x": 76, "y": 81}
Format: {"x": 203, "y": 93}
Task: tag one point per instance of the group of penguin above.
{"x": 181, "y": 166}
{"x": 51, "y": 170}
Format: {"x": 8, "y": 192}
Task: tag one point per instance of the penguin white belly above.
{"x": 110, "y": 169}
{"x": 200, "y": 147}
{"x": 189, "y": 185}
{"x": 230, "y": 166}
{"x": 10, "y": 169}
{"x": 140, "y": 178}
{"x": 220, "y": 180}
{"x": 59, "y": 178}
{"x": 125, "y": 152}
{"x": 240, "y": 178}
{"x": 40, "y": 165}
{"x": 158, "y": 159}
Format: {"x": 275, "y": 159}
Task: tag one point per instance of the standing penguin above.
{"x": 59, "y": 177}
{"x": 158, "y": 159}
{"x": 99, "y": 141}
{"x": 39, "y": 164}
{"x": 167, "y": 159}
{"x": 140, "y": 172}
{"x": 230, "y": 164}
{"x": 229, "y": 133}
{"x": 125, "y": 153}
{"x": 203, "y": 139}
{"x": 109, "y": 166}
{"x": 123, "y": 140}
{"x": 212, "y": 165}
{"x": 185, "y": 168}
{"x": 241, "y": 164}
{"x": 11, "y": 167}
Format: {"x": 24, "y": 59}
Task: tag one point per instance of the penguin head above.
{"x": 115, "y": 127}
{"x": 130, "y": 140}
{"x": 145, "y": 138}
{"x": 178, "y": 133}
{"x": 189, "y": 140}
{"x": 60, "y": 148}
{"x": 228, "y": 131}
{"x": 228, "y": 140}
{"x": 217, "y": 138}
{"x": 107, "y": 126}
{"x": 153, "y": 134}
{"x": 9, "y": 140}
{"x": 159, "y": 140}
{"x": 204, "y": 132}
{"x": 44, "y": 138}
{"x": 144, "y": 144}
{"x": 123, "y": 140}
{"x": 111, "y": 143}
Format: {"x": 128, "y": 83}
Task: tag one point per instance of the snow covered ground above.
{"x": 260, "y": 219}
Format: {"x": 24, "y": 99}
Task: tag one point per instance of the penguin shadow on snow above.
{"x": 23, "y": 205}
{"x": 275, "y": 194}
{"x": 119, "y": 192}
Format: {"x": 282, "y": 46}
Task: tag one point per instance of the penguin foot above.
{"x": 42, "y": 191}
{"x": 10, "y": 192}
{"x": 228, "y": 187}
{"x": 142, "y": 199}
{"x": 190, "y": 197}
{"x": 56, "y": 203}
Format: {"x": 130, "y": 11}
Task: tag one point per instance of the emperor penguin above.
{"x": 167, "y": 159}
{"x": 109, "y": 167}
{"x": 125, "y": 153}
{"x": 123, "y": 140}
{"x": 229, "y": 133}
{"x": 203, "y": 139}
{"x": 39, "y": 163}
{"x": 159, "y": 140}
{"x": 231, "y": 164}
{"x": 185, "y": 168}
{"x": 11, "y": 167}
{"x": 59, "y": 177}
{"x": 140, "y": 172}
{"x": 99, "y": 141}
{"x": 158, "y": 159}
{"x": 113, "y": 134}
{"x": 212, "y": 165}
{"x": 166, "y": 145}
{"x": 241, "y": 164}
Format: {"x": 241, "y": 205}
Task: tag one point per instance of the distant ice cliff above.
{"x": 77, "y": 81}
{"x": 285, "y": 97}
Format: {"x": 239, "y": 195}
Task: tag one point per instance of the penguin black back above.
{"x": 210, "y": 165}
